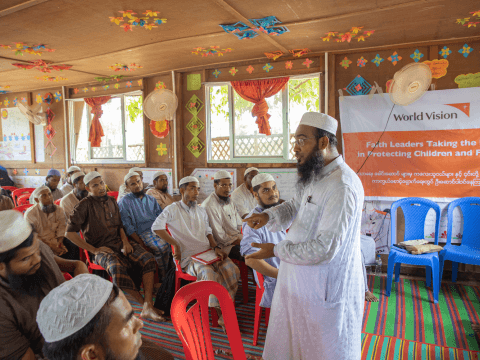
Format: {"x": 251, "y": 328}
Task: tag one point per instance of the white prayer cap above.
{"x": 135, "y": 169}
{"x": 250, "y": 169}
{"x": 157, "y": 174}
{"x": 73, "y": 168}
{"x": 261, "y": 178}
{"x": 14, "y": 230}
{"x": 37, "y": 191}
{"x": 129, "y": 175}
{"x": 222, "y": 174}
{"x": 320, "y": 121}
{"x": 77, "y": 175}
{"x": 188, "y": 179}
{"x": 70, "y": 306}
{"x": 90, "y": 176}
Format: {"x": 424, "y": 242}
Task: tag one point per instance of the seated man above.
{"x": 191, "y": 234}
{"x": 52, "y": 180}
{"x": 223, "y": 215}
{"x": 98, "y": 217}
{"x": 71, "y": 199}
{"x": 138, "y": 212}
{"x": 243, "y": 196}
{"x": 67, "y": 187}
{"x": 267, "y": 195}
{"x": 28, "y": 271}
{"x": 89, "y": 318}
{"x": 159, "y": 191}
{"x": 49, "y": 222}
{"x": 122, "y": 190}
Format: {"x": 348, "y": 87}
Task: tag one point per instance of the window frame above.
{"x": 91, "y": 160}
{"x": 286, "y": 125}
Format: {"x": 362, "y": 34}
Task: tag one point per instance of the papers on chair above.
{"x": 206, "y": 257}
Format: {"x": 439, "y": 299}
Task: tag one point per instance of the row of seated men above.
{"x": 113, "y": 234}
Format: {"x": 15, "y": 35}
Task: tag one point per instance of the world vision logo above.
{"x": 463, "y": 107}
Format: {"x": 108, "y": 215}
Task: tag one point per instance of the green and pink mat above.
{"x": 405, "y": 326}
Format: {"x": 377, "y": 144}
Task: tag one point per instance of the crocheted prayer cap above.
{"x": 77, "y": 175}
{"x": 90, "y": 176}
{"x": 37, "y": 191}
{"x": 320, "y": 121}
{"x": 222, "y": 174}
{"x": 53, "y": 172}
{"x": 135, "y": 169}
{"x": 250, "y": 169}
{"x": 73, "y": 168}
{"x": 157, "y": 174}
{"x": 14, "y": 230}
{"x": 261, "y": 178}
{"x": 129, "y": 175}
{"x": 188, "y": 179}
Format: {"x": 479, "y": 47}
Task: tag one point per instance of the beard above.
{"x": 164, "y": 189}
{"x": 27, "y": 284}
{"x": 311, "y": 168}
{"x": 48, "y": 209}
{"x": 265, "y": 206}
{"x": 139, "y": 193}
{"x": 226, "y": 199}
{"x": 81, "y": 194}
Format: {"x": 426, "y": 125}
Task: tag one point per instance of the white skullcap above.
{"x": 73, "y": 168}
{"x": 14, "y": 230}
{"x": 222, "y": 174}
{"x": 250, "y": 169}
{"x": 158, "y": 173}
{"x": 77, "y": 175}
{"x": 38, "y": 190}
{"x": 129, "y": 175}
{"x": 90, "y": 176}
{"x": 188, "y": 179}
{"x": 135, "y": 169}
{"x": 261, "y": 178}
{"x": 320, "y": 121}
{"x": 70, "y": 306}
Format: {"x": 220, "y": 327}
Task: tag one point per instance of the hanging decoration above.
{"x": 216, "y": 73}
{"x": 25, "y": 171}
{"x": 51, "y": 78}
{"x": 345, "y": 63}
{"x": 194, "y": 82}
{"x": 394, "y": 58}
{"x": 140, "y": 82}
{"x": 214, "y": 50}
{"x": 194, "y": 105}
{"x": 75, "y": 91}
{"x": 106, "y": 87}
{"x": 128, "y": 21}
{"x": 195, "y": 125}
{"x": 358, "y": 86}
{"x": 299, "y": 52}
{"x": 160, "y": 85}
{"x": 42, "y": 66}
{"x": 94, "y": 89}
{"x": 468, "y": 80}
{"x": 288, "y": 65}
{"x": 267, "y": 67}
{"x": 274, "y": 55}
{"x": 471, "y": 21}
{"x": 250, "y": 69}
{"x": 437, "y": 67}
{"x": 116, "y": 86}
{"x": 416, "y": 56}
{"x": 6, "y": 102}
{"x": 307, "y": 62}
{"x": 160, "y": 129}
{"x": 39, "y": 98}
{"x": 48, "y": 98}
{"x": 196, "y": 147}
{"x": 50, "y": 132}
{"x": 445, "y": 52}
{"x": 15, "y": 101}
{"x": 22, "y": 48}
{"x": 85, "y": 89}
{"x": 96, "y": 130}
{"x": 37, "y": 171}
{"x": 58, "y": 96}
{"x": 162, "y": 149}
{"x": 15, "y": 171}
{"x": 465, "y": 50}
{"x": 354, "y": 32}
{"x": 267, "y": 25}
{"x": 233, "y": 71}
{"x": 362, "y": 62}
{"x": 123, "y": 67}
{"x": 108, "y": 78}
{"x": 377, "y": 60}
{"x": 128, "y": 84}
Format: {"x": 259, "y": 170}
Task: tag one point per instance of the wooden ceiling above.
{"x": 84, "y": 37}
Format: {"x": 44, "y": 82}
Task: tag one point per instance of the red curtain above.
{"x": 257, "y": 91}
{"x": 96, "y": 130}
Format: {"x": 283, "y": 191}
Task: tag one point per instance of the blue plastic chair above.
{"x": 469, "y": 250}
{"x": 415, "y": 211}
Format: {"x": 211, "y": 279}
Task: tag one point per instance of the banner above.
{"x": 430, "y": 148}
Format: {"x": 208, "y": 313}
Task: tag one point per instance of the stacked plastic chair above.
{"x": 415, "y": 211}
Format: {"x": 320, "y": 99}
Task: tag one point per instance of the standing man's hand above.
{"x": 266, "y": 251}
{"x": 256, "y": 221}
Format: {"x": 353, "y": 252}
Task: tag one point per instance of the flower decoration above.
{"x": 445, "y": 52}
{"x": 394, "y": 58}
{"x": 250, "y": 69}
{"x": 124, "y": 67}
{"x": 116, "y": 86}
{"x": 37, "y": 171}
{"x": 267, "y": 67}
{"x": 288, "y": 65}
{"x": 6, "y": 102}
{"x": 85, "y": 89}
{"x": 22, "y": 48}
{"x": 24, "y": 99}
{"x": 15, "y": 101}
{"x": 39, "y": 98}
{"x": 377, "y": 60}
{"x": 105, "y": 87}
{"x": 75, "y": 91}
{"x": 416, "y": 56}
{"x": 162, "y": 149}
{"x": 307, "y": 62}
{"x": 48, "y": 98}
{"x": 25, "y": 171}
{"x": 57, "y": 96}
{"x": 130, "y": 21}
{"x": 128, "y": 84}
{"x": 51, "y": 78}
{"x": 15, "y": 172}
{"x": 160, "y": 85}
{"x": 94, "y": 89}
{"x": 345, "y": 63}
{"x": 140, "y": 82}
{"x": 362, "y": 62}
{"x": 462, "y": 21}
{"x": 213, "y": 50}
{"x": 233, "y": 71}
{"x": 42, "y": 66}
{"x": 216, "y": 73}
{"x": 465, "y": 50}
{"x": 160, "y": 129}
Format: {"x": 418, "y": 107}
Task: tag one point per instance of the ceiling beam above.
{"x": 21, "y": 6}
{"x": 243, "y": 19}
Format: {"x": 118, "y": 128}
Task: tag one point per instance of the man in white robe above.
{"x": 79, "y": 192}
{"x": 317, "y": 307}
{"x": 68, "y": 186}
{"x": 243, "y": 195}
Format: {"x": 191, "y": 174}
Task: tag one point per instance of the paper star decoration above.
{"x": 250, "y": 69}
{"x": 94, "y": 89}
{"x": 462, "y": 21}
{"x": 475, "y": 13}
{"x": 21, "y": 48}
{"x": 307, "y": 62}
{"x": 345, "y": 63}
{"x": 326, "y": 38}
{"x": 15, "y": 101}
{"x": 160, "y": 85}
{"x": 140, "y": 82}
{"x": 274, "y": 55}
{"x": 473, "y": 23}
{"x": 267, "y": 67}
{"x": 15, "y": 172}
{"x": 445, "y": 52}
{"x": 75, "y": 91}
{"x": 162, "y": 149}
{"x": 39, "y": 98}
{"x": 362, "y": 62}
{"x": 37, "y": 171}
{"x": 377, "y": 60}
{"x": 105, "y": 87}
{"x": 24, "y": 99}
{"x": 116, "y": 20}
{"x": 85, "y": 89}
{"x": 128, "y": 84}
{"x": 216, "y": 73}
{"x": 57, "y": 96}
{"x": 124, "y": 67}
{"x": 416, "y": 56}
{"x": 25, "y": 171}
{"x": 6, "y": 102}
{"x": 214, "y": 50}
{"x": 288, "y": 65}
{"x": 465, "y": 50}
{"x": 116, "y": 86}
{"x": 160, "y": 21}
{"x": 233, "y": 71}
{"x": 394, "y": 58}
{"x": 42, "y": 66}
{"x": 361, "y": 38}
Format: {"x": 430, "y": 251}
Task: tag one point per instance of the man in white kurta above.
{"x": 318, "y": 303}
{"x": 78, "y": 192}
{"x": 243, "y": 195}
{"x": 68, "y": 186}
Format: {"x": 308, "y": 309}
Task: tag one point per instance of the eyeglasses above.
{"x": 301, "y": 142}
{"x": 224, "y": 186}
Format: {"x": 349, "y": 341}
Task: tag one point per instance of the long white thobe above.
{"x": 68, "y": 202}
{"x": 318, "y": 303}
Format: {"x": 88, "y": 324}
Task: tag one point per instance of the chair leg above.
{"x": 244, "y": 275}
{"x": 177, "y": 283}
{"x": 428, "y": 275}
{"x": 391, "y": 265}
{"x": 256, "y": 324}
{"x": 454, "y": 271}
{"x": 436, "y": 283}
{"x": 441, "y": 260}
{"x": 397, "y": 272}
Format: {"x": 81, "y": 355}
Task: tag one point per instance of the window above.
{"x": 229, "y": 121}
{"x": 123, "y": 126}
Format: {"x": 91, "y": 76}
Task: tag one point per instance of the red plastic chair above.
{"x": 11, "y": 188}
{"x": 113, "y": 194}
{"x": 57, "y": 202}
{"x": 18, "y": 192}
{"x": 244, "y": 275}
{"x": 22, "y": 208}
{"x": 67, "y": 276}
{"x": 258, "y": 309}
{"x": 91, "y": 266}
{"x": 23, "y": 200}
{"x": 192, "y": 325}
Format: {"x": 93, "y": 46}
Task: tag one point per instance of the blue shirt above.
{"x": 138, "y": 214}
{"x": 262, "y": 236}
